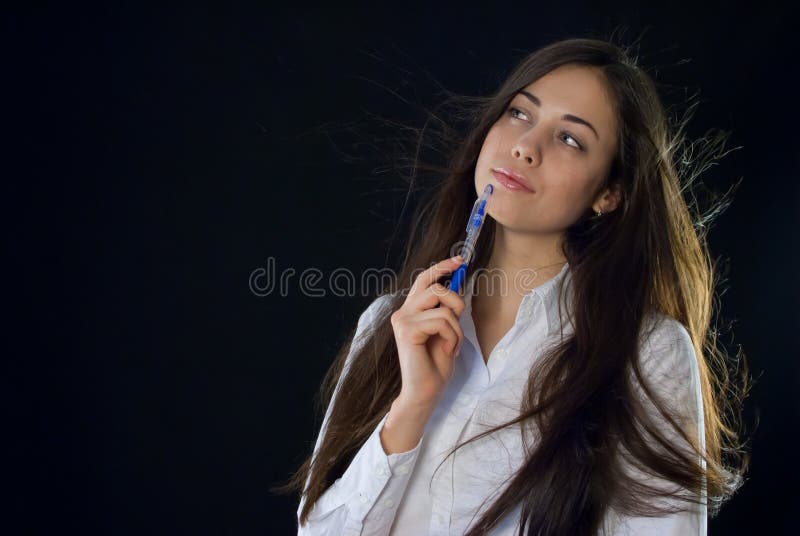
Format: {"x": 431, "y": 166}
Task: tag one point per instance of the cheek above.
{"x": 491, "y": 144}
{"x": 577, "y": 179}
{"x": 488, "y": 155}
{"x": 569, "y": 197}
{"x": 567, "y": 180}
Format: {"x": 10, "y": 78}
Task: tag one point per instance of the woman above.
{"x": 590, "y": 397}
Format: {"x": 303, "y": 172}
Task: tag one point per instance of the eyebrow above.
{"x": 567, "y": 117}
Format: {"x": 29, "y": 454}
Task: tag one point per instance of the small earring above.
{"x": 598, "y": 213}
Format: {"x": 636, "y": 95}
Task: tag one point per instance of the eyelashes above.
{"x": 512, "y": 111}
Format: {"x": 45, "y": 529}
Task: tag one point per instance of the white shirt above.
{"x": 382, "y": 494}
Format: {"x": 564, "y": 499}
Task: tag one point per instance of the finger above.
{"x": 449, "y": 298}
{"x": 447, "y": 315}
{"x": 431, "y": 326}
{"x": 435, "y": 295}
{"x": 432, "y": 274}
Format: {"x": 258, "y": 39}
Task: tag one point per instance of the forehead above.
{"x": 580, "y": 91}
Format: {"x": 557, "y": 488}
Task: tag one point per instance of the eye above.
{"x": 513, "y": 111}
{"x": 577, "y": 144}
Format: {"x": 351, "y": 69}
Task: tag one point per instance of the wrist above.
{"x": 404, "y": 427}
{"x": 412, "y": 409}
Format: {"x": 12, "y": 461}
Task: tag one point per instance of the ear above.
{"x": 608, "y": 199}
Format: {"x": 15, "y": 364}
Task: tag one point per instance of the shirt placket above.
{"x": 443, "y": 496}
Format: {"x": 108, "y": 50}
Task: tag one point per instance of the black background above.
{"x": 156, "y": 158}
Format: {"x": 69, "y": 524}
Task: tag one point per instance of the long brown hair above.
{"x": 650, "y": 254}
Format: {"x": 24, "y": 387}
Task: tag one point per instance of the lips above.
{"x": 510, "y": 180}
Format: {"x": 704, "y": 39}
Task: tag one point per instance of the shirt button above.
{"x": 364, "y": 498}
{"x": 380, "y": 471}
{"x": 388, "y": 503}
{"x": 402, "y": 470}
{"x": 502, "y": 353}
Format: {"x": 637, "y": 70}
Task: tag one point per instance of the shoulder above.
{"x": 374, "y": 310}
{"x": 664, "y": 340}
{"x": 366, "y": 324}
{"x": 668, "y": 360}
{"x": 372, "y": 314}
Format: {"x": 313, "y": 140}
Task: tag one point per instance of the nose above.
{"x": 519, "y": 154}
{"x": 526, "y": 150}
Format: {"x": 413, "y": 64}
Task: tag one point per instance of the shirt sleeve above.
{"x": 364, "y": 500}
{"x": 670, "y": 365}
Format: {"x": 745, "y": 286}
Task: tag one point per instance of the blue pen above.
{"x": 474, "y": 225}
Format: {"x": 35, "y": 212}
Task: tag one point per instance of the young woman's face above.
{"x": 563, "y": 162}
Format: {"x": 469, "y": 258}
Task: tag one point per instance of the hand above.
{"x": 428, "y": 336}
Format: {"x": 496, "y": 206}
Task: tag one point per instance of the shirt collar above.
{"x": 548, "y": 293}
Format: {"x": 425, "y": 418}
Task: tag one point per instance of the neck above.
{"x": 525, "y": 259}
